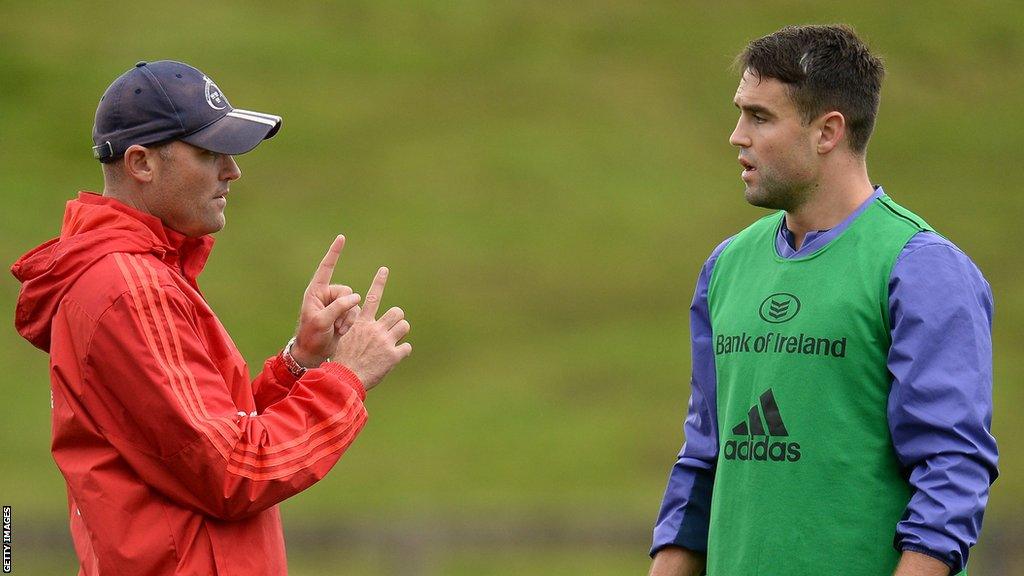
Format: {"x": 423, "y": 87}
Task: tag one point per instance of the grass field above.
{"x": 544, "y": 179}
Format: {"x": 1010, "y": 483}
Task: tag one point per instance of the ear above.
{"x": 832, "y": 131}
{"x": 140, "y": 163}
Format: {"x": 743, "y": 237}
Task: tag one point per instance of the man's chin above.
{"x": 221, "y": 223}
{"x": 212, "y": 227}
{"x": 778, "y": 198}
{"x": 755, "y": 196}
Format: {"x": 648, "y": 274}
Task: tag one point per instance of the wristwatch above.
{"x": 290, "y": 362}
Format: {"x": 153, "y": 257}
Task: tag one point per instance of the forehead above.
{"x": 184, "y": 149}
{"x": 764, "y": 93}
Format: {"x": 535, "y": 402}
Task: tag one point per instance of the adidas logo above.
{"x": 754, "y": 425}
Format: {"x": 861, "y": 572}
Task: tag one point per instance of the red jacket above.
{"x": 174, "y": 460}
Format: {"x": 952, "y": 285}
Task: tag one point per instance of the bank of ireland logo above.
{"x": 779, "y": 307}
{"x": 213, "y": 95}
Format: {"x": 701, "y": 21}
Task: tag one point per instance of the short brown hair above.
{"x": 825, "y": 68}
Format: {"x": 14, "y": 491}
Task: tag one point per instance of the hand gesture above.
{"x": 371, "y": 348}
{"x": 328, "y": 310}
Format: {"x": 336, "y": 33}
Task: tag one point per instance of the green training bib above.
{"x": 807, "y": 481}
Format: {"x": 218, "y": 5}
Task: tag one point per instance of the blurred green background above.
{"x": 545, "y": 180}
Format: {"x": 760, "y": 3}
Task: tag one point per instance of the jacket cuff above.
{"x": 927, "y": 552}
{"x": 938, "y": 546}
{"x": 345, "y": 375}
{"x": 692, "y": 536}
{"x": 282, "y": 375}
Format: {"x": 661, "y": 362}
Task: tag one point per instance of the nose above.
{"x": 739, "y": 137}
{"x": 229, "y": 169}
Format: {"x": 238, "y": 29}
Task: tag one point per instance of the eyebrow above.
{"x": 754, "y": 109}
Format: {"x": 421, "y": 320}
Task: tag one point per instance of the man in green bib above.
{"x": 841, "y": 398}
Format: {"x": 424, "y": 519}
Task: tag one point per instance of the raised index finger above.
{"x": 374, "y": 295}
{"x": 322, "y": 276}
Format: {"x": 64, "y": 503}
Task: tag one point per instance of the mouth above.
{"x": 748, "y": 168}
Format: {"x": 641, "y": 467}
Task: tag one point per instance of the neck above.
{"x": 831, "y": 201}
{"x": 126, "y": 197}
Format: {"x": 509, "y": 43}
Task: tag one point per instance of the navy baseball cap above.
{"x": 167, "y": 100}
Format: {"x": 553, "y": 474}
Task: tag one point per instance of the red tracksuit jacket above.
{"x": 174, "y": 460}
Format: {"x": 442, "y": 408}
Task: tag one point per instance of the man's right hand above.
{"x": 676, "y": 561}
{"x": 325, "y": 311}
{"x": 370, "y": 347}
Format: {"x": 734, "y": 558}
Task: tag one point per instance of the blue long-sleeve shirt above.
{"x": 939, "y": 409}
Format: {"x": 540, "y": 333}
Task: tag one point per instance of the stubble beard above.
{"x": 773, "y": 193}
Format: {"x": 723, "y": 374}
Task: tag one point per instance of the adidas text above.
{"x": 762, "y": 450}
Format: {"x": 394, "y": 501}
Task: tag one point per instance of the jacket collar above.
{"x": 188, "y": 255}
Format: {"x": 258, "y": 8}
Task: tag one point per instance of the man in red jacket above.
{"x": 174, "y": 460}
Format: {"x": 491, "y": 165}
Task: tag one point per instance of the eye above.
{"x": 758, "y": 119}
